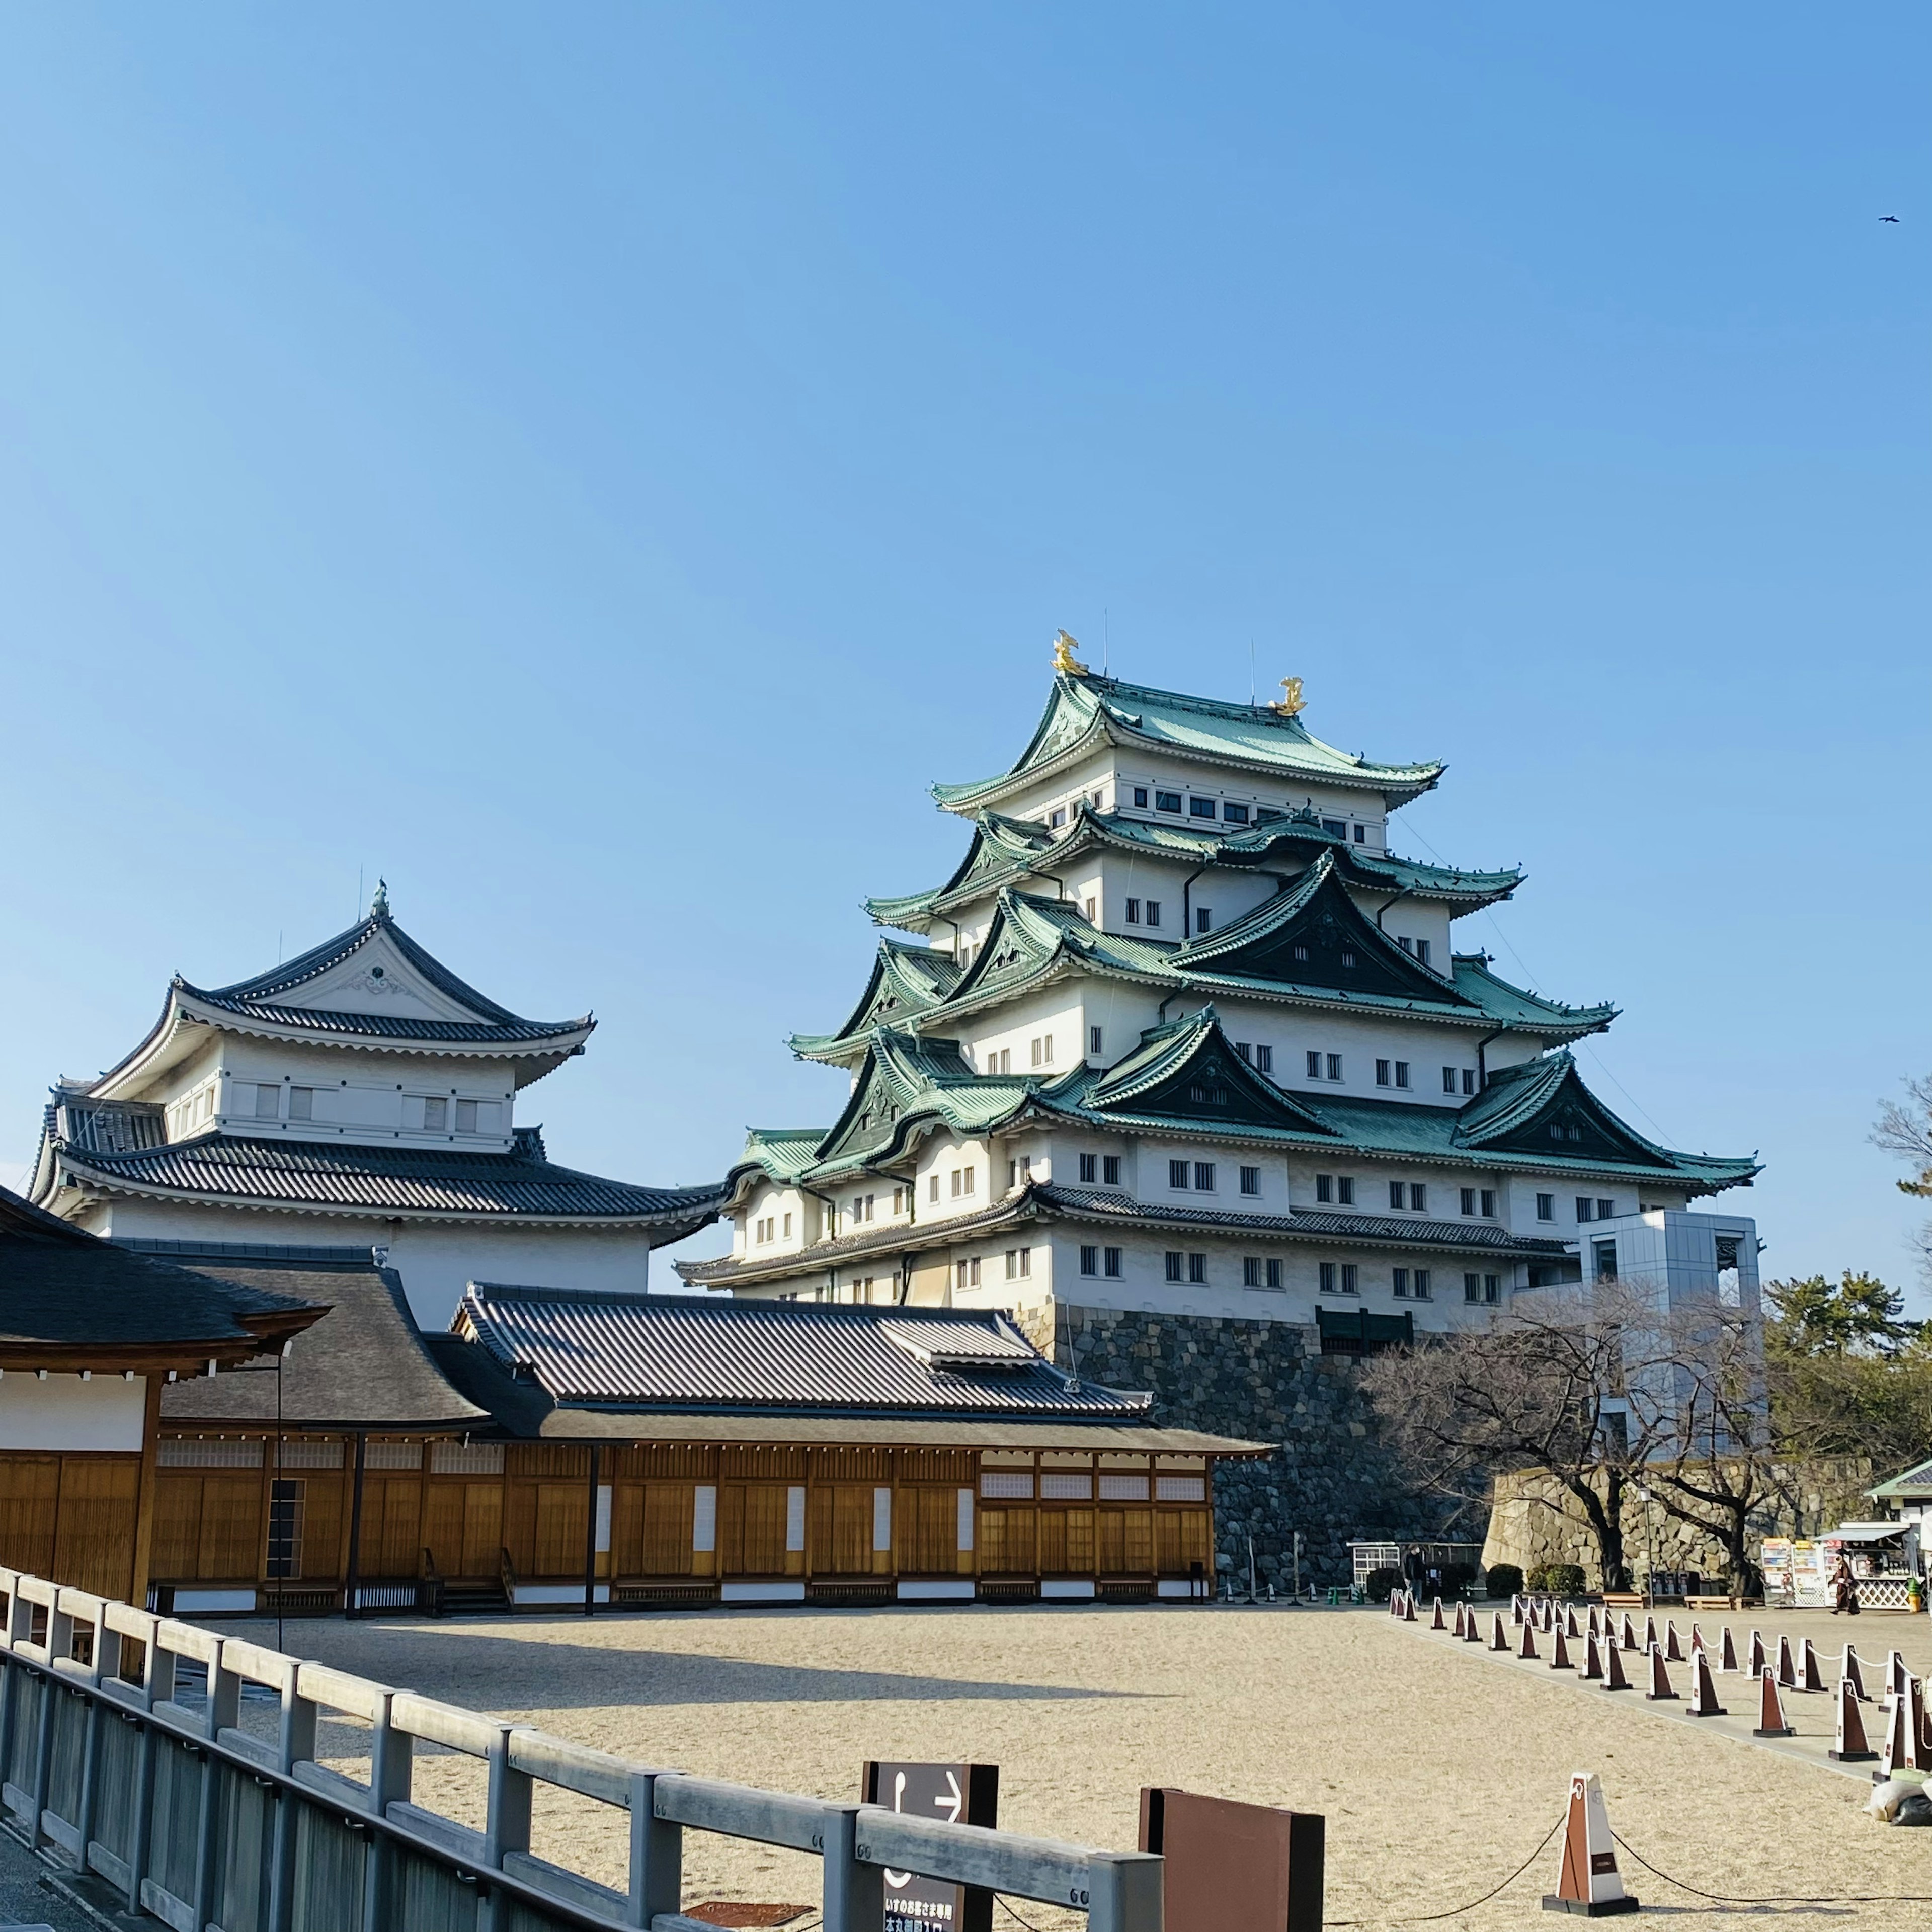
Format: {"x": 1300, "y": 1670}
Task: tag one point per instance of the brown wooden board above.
{"x": 1233, "y": 1867}
{"x": 962, "y": 1794}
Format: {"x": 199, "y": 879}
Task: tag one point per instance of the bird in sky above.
{"x": 1888, "y": 217}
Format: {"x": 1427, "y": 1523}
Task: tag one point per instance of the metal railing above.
{"x": 108, "y": 1751}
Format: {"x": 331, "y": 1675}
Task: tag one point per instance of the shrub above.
{"x": 1380, "y": 1583}
{"x": 1557, "y": 1580}
{"x": 1505, "y": 1580}
{"x": 1458, "y": 1580}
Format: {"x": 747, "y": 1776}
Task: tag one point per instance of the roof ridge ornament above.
{"x": 1290, "y": 703}
{"x": 379, "y": 907}
{"x": 1064, "y": 661}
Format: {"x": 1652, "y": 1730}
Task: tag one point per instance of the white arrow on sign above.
{"x": 953, "y": 1805}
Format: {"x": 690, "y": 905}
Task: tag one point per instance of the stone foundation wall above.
{"x": 1534, "y": 1520}
{"x": 1263, "y": 1381}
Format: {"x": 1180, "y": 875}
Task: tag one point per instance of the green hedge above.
{"x": 1380, "y": 1585}
{"x": 1505, "y": 1580}
{"x": 1557, "y": 1580}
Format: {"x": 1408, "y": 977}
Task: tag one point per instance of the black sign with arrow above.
{"x": 962, "y": 1794}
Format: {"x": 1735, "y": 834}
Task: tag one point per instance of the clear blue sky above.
{"x": 595, "y": 466}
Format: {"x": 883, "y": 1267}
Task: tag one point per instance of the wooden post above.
{"x": 590, "y": 1536}
{"x": 144, "y": 1494}
{"x": 355, "y": 1578}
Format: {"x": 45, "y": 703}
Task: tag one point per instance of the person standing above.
{"x": 1844, "y": 1587}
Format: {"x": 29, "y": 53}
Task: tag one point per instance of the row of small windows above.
{"x": 1226, "y": 810}
{"x": 1019, "y": 1265}
{"x": 1102, "y": 1168}
{"x": 1198, "y": 1177}
{"x": 432, "y": 1113}
{"x": 766, "y": 1228}
{"x": 1407, "y": 1284}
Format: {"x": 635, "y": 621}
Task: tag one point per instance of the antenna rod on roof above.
{"x": 1106, "y": 642}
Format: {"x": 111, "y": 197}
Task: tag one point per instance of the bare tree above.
{"x": 1555, "y": 1383}
{"x": 1906, "y": 1130}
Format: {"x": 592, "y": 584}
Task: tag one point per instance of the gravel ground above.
{"x": 1439, "y": 1768}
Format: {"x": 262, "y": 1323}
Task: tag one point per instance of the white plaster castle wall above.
{"x": 436, "y": 1259}
{"x": 63, "y": 1412}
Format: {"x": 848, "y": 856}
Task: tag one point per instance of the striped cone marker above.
{"x": 1851, "y": 1673}
{"x": 1914, "y": 1700}
{"x": 1588, "y": 1884}
{"x": 1528, "y": 1649}
{"x": 1770, "y": 1709}
{"x": 1757, "y": 1665}
{"x": 1614, "y": 1678}
{"x": 1703, "y": 1687}
{"x": 1673, "y": 1650}
{"x": 1810, "y": 1677}
{"x": 1516, "y": 1610}
{"x": 1559, "y": 1657}
{"x": 1787, "y": 1671}
{"x": 1438, "y": 1622}
{"x": 1727, "y": 1654}
{"x": 1499, "y": 1641}
{"x": 1593, "y": 1660}
{"x": 1595, "y": 1629}
{"x": 1459, "y": 1620}
{"x": 1661, "y": 1691}
{"x": 1850, "y": 1747}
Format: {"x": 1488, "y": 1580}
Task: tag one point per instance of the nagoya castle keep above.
{"x": 1186, "y": 1069}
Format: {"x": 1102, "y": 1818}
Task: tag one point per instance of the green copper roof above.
{"x": 1005, "y": 850}
{"x": 1085, "y": 711}
{"x": 906, "y": 981}
{"x": 1186, "y": 1078}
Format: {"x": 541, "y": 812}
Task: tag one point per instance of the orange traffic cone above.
{"x": 1614, "y": 1678}
{"x": 1770, "y": 1711}
{"x": 1589, "y": 1883}
{"x": 1660, "y": 1691}
{"x": 1850, "y": 1747}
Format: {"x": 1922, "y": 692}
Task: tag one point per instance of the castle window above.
{"x": 1153, "y": 912}
{"x": 268, "y": 1102}
{"x": 1324, "y": 1187}
{"x": 1489, "y": 1200}
{"x": 1472, "y": 1288}
{"x": 1203, "y": 920}
{"x": 1019, "y": 1264}
{"x": 1382, "y": 1072}
{"x": 1133, "y": 912}
{"x": 932, "y": 1187}
{"x": 969, "y": 1184}
{"x": 1419, "y": 1284}
{"x": 1043, "y": 1051}
{"x": 1408, "y": 945}
{"x": 1345, "y": 1189}
{"x": 1274, "y": 1274}
{"x": 1334, "y": 1066}
{"x": 1265, "y": 1059}
{"x": 1203, "y": 1176}
{"x": 1179, "y": 1174}
{"x": 1448, "y": 1079}
{"x": 1469, "y": 1201}
{"x": 787, "y": 1227}
{"x": 1094, "y": 1037}
{"x": 1110, "y": 1169}
{"x": 1173, "y": 1264}
{"x": 1348, "y": 959}
{"x": 1089, "y": 1167}
{"x": 1395, "y": 1194}
{"x": 1422, "y": 951}
{"x": 435, "y": 1114}
{"x": 1140, "y": 795}
{"x": 1251, "y": 1181}
{"x": 1059, "y": 817}
{"x": 301, "y": 1103}
{"x": 1469, "y": 1080}
{"x": 1090, "y": 1261}
{"x": 1327, "y": 1277}
{"x": 1337, "y": 825}
{"x": 1087, "y": 908}
{"x": 1349, "y": 1278}
{"x": 1197, "y": 1269}
{"x": 1235, "y": 814}
{"x": 286, "y": 1496}
{"x": 1167, "y": 801}
{"x": 1361, "y": 835}
{"x": 465, "y": 1117}
{"x": 1314, "y": 1066}
{"x": 1245, "y": 1050}
{"x": 1251, "y": 1270}
{"x": 1201, "y": 808}
{"x": 1402, "y": 1073}
{"x": 1418, "y": 1197}
{"x": 1546, "y": 1207}
{"x": 1586, "y": 1208}
{"x": 1110, "y": 1263}
{"x": 1399, "y": 1281}
{"x": 1208, "y": 1096}
{"x": 1492, "y": 1288}
{"x": 1299, "y": 952}
{"x": 1606, "y": 1210}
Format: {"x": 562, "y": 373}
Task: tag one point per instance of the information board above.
{"x": 961, "y": 1794}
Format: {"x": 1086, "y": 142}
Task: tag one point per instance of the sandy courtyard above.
{"x": 1437, "y": 1768}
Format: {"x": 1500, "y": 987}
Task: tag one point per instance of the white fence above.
{"x": 106, "y": 1752}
